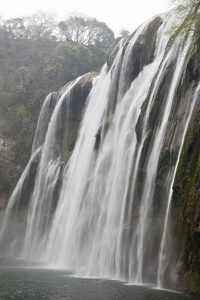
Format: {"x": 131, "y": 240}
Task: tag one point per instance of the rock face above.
{"x": 186, "y": 203}
{"x": 143, "y": 52}
{"x": 115, "y": 193}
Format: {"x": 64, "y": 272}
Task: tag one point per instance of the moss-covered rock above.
{"x": 143, "y": 51}
{"x": 71, "y": 113}
{"x": 186, "y": 209}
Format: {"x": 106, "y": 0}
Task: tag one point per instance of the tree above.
{"x": 190, "y": 8}
{"x": 86, "y": 31}
{"x": 13, "y": 29}
{"x": 41, "y": 26}
{"x": 124, "y": 33}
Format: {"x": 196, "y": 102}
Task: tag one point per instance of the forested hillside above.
{"x": 37, "y": 56}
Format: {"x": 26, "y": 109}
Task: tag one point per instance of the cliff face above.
{"x": 185, "y": 213}
{"x": 184, "y": 229}
{"x": 184, "y": 232}
{"x": 186, "y": 199}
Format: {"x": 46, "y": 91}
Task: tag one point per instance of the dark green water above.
{"x": 20, "y": 282}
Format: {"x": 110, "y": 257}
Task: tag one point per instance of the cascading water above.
{"x": 111, "y": 215}
{"x": 43, "y": 121}
{"x": 11, "y": 216}
{"x": 36, "y": 187}
{"x": 45, "y": 183}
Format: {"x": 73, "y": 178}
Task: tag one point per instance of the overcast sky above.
{"x": 116, "y": 14}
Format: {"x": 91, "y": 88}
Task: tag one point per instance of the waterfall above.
{"x": 104, "y": 211}
{"x": 41, "y": 203}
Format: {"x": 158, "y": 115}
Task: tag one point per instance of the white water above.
{"x": 101, "y": 225}
{"x": 48, "y": 172}
{"x": 11, "y": 210}
{"x": 43, "y": 121}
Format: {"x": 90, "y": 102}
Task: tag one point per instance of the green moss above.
{"x": 110, "y": 51}
{"x": 146, "y": 37}
{"x": 185, "y": 207}
{"x": 105, "y": 123}
{"x": 191, "y": 282}
{"x": 189, "y": 221}
{"x": 68, "y": 153}
{"x": 93, "y": 75}
{"x": 168, "y": 159}
{"x": 104, "y": 126}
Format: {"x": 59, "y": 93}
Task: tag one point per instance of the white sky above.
{"x": 117, "y": 14}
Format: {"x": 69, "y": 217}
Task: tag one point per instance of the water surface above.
{"x": 33, "y": 282}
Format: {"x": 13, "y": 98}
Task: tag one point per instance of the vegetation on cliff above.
{"x": 190, "y": 8}
{"x": 37, "y": 58}
{"x": 186, "y": 209}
